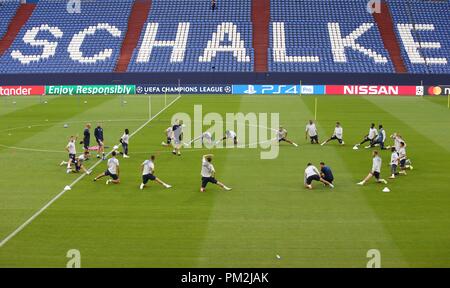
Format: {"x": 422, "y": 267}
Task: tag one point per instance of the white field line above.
{"x": 35, "y": 215}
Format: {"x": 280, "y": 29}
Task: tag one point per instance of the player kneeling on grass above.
{"x": 394, "y": 163}
{"x": 380, "y": 139}
{"x": 124, "y": 141}
{"x": 79, "y": 163}
{"x": 208, "y": 173}
{"x": 313, "y": 174}
{"x": 112, "y": 171}
{"x": 337, "y": 135}
{"x": 326, "y": 173}
{"x": 229, "y": 134}
{"x": 148, "y": 170}
{"x": 282, "y": 136}
{"x": 376, "y": 170}
{"x": 373, "y": 133}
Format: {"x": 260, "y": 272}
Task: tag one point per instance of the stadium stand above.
{"x": 8, "y": 9}
{"x": 197, "y": 39}
{"x": 239, "y": 36}
{"x": 424, "y": 34}
{"x": 326, "y": 36}
{"x": 54, "y": 41}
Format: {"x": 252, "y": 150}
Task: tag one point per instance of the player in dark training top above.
{"x": 86, "y": 139}
{"x": 98, "y": 133}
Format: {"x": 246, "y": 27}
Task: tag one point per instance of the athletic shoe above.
{"x": 108, "y": 181}
{"x": 331, "y": 185}
{"x": 63, "y": 163}
{"x": 392, "y": 177}
{"x": 309, "y": 186}
{"x": 125, "y": 156}
{"x": 95, "y": 179}
{"x": 141, "y": 186}
{"x": 88, "y": 172}
{"x": 360, "y": 183}
{"x": 411, "y": 167}
{"x": 343, "y": 143}
{"x": 167, "y": 186}
{"x": 227, "y": 188}
{"x": 383, "y": 181}
{"x": 323, "y": 143}
{"x": 295, "y": 144}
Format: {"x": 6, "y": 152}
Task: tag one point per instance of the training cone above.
{"x": 355, "y": 147}
{"x": 386, "y": 189}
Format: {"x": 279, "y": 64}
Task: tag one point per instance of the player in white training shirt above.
{"x": 208, "y": 173}
{"x": 403, "y": 159}
{"x": 113, "y": 170}
{"x": 371, "y": 137}
{"x": 71, "y": 149}
{"x": 376, "y": 169}
{"x": 311, "y": 131}
{"x": 148, "y": 171}
{"x": 394, "y": 162}
{"x": 313, "y": 174}
{"x": 282, "y": 136}
{"x": 177, "y": 136}
{"x": 124, "y": 140}
{"x": 338, "y": 135}
{"x": 397, "y": 138}
{"x": 205, "y": 138}
{"x": 169, "y": 133}
{"x": 229, "y": 134}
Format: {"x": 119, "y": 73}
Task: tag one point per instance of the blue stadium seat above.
{"x": 306, "y": 36}
{"x": 422, "y": 28}
{"x": 230, "y": 21}
{"x": 8, "y": 9}
{"x": 96, "y": 35}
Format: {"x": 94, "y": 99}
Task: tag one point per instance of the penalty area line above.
{"x": 37, "y": 213}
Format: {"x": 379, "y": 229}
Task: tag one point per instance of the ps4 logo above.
{"x": 266, "y": 89}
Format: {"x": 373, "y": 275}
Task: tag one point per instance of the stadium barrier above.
{"x": 219, "y": 78}
{"x": 250, "y": 89}
{"x": 21, "y": 90}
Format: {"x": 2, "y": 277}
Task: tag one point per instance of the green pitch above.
{"x": 268, "y": 212}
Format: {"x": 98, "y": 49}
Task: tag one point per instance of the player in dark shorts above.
{"x": 86, "y": 139}
{"x": 98, "y": 133}
{"x": 313, "y": 174}
{"x": 148, "y": 170}
{"x": 326, "y": 173}
{"x": 79, "y": 163}
{"x": 208, "y": 174}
